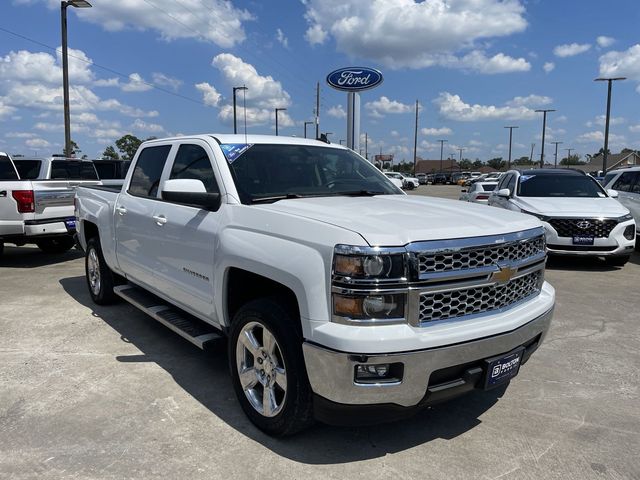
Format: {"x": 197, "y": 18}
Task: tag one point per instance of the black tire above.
{"x": 617, "y": 261}
{"x": 102, "y": 291}
{"x": 1, "y": 248}
{"x": 295, "y": 412}
{"x": 56, "y": 244}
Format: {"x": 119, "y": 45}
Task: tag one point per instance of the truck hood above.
{"x": 396, "y": 220}
{"x": 573, "y": 207}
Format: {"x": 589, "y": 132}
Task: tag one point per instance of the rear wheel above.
{"x": 100, "y": 278}
{"x": 267, "y": 368}
{"x": 617, "y": 261}
{"x": 56, "y": 244}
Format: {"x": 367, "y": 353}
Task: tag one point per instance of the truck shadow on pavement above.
{"x": 205, "y": 376}
{"x": 32, "y": 257}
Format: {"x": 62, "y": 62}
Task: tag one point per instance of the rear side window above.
{"x": 28, "y": 169}
{"x": 192, "y": 162}
{"x": 148, "y": 170}
{"x": 625, "y": 182}
{"x": 635, "y": 188}
{"x": 512, "y": 184}
{"x": 106, "y": 170}
{"x": 72, "y": 170}
{"x": 7, "y": 172}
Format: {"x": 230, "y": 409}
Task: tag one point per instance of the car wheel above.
{"x": 410, "y": 186}
{"x": 100, "y": 278}
{"x": 267, "y": 368}
{"x": 1, "y": 248}
{"x": 617, "y": 261}
{"x": 55, "y": 245}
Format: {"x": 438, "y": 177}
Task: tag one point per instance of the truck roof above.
{"x": 230, "y": 138}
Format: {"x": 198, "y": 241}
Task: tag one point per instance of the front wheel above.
{"x": 617, "y": 261}
{"x": 267, "y": 368}
{"x": 56, "y": 244}
{"x": 100, "y": 279}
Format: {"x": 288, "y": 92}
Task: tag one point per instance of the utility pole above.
{"x": 556, "y": 155}
{"x": 605, "y": 154}
{"x": 415, "y": 142}
{"x": 544, "y": 128}
{"x": 305, "y": 128}
{"x": 510, "y": 139}
{"x": 531, "y": 156}
{"x": 366, "y": 145}
{"x": 441, "y": 148}
{"x": 569, "y": 153}
{"x": 317, "y": 110}
{"x": 460, "y": 150}
{"x": 235, "y": 125}
{"x": 278, "y": 110}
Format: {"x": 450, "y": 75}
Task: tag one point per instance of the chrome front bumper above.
{"x": 331, "y": 373}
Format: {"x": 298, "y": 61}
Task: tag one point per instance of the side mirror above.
{"x": 612, "y": 193}
{"x": 191, "y": 192}
{"x": 504, "y": 193}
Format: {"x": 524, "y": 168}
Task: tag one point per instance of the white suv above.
{"x": 579, "y": 216}
{"x": 627, "y": 183}
{"x": 408, "y": 182}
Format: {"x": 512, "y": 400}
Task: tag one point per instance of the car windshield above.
{"x": 265, "y": 172}
{"x": 488, "y": 187}
{"x": 550, "y": 185}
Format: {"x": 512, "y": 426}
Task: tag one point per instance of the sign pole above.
{"x": 353, "y": 121}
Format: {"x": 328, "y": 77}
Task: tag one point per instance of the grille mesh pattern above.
{"x": 568, "y": 227}
{"x": 458, "y": 303}
{"x": 479, "y": 256}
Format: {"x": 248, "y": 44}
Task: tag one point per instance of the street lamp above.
{"x": 510, "y": 138}
{"x": 278, "y": 110}
{"x": 606, "y": 124}
{"x": 65, "y": 69}
{"x": 544, "y": 128}
{"x": 305, "y": 127}
{"x": 569, "y": 153}
{"x": 556, "y": 155}
{"x": 235, "y": 125}
{"x": 441, "y": 148}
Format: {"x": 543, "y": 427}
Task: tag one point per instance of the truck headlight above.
{"x": 364, "y": 263}
{"x": 375, "y": 309}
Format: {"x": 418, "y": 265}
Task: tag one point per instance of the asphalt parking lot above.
{"x": 92, "y": 392}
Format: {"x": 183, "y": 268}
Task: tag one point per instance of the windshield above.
{"x": 489, "y": 187}
{"x": 28, "y": 169}
{"x": 551, "y": 185}
{"x": 272, "y": 172}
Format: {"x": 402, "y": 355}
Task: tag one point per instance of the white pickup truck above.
{"x": 340, "y": 297}
{"x": 36, "y": 200}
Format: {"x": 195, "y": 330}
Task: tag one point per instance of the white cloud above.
{"x": 416, "y": 34}
{"x": 621, "y": 64}
{"x": 454, "y": 108}
{"x": 436, "y": 131}
{"x": 560, "y": 119}
{"x": 19, "y": 135}
{"x": 166, "y": 81}
{"x": 600, "y": 121}
{"x": 136, "y": 84}
{"x": 214, "y": 21}
{"x": 478, "y": 61}
{"x": 37, "y": 143}
{"x": 605, "y": 42}
{"x": 383, "y": 106}
{"x": 530, "y": 101}
{"x": 598, "y": 137}
{"x": 548, "y": 67}
{"x": 571, "y": 49}
{"x": 634, "y": 128}
{"x": 337, "y": 111}
{"x": 142, "y": 126}
{"x": 107, "y": 82}
{"x": 210, "y": 95}
{"x": 282, "y": 39}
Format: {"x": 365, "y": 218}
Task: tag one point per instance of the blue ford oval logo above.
{"x": 354, "y": 79}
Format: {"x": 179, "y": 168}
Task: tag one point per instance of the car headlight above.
{"x": 355, "y": 263}
{"x": 544, "y": 218}
{"x": 625, "y": 218}
{"x": 374, "y": 309}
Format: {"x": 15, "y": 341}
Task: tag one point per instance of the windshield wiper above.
{"x": 360, "y": 193}
{"x": 275, "y": 198}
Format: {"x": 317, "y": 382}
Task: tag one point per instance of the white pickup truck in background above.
{"x": 36, "y": 200}
{"x": 340, "y": 297}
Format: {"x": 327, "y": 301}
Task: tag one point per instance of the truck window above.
{"x": 106, "y": 170}
{"x": 7, "y": 172}
{"x": 624, "y": 182}
{"x": 72, "y": 170}
{"x": 28, "y": 169}
{"x": 192, "y": 162}
{"x": 148, "y": 170}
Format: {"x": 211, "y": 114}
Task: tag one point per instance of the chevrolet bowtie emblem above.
{"x": 503, "y": 275}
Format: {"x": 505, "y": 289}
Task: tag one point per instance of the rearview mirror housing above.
{"x": 504, "y": 192}
{"x": 612, "y": 193}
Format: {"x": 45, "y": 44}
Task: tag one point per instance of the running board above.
{"x": 187, "y": 326}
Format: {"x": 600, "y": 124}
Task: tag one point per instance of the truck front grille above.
{"x": 471, "y": 301}
{"x": 568, "y": 227}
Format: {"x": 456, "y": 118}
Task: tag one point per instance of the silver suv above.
{"x": 626, "y": 182}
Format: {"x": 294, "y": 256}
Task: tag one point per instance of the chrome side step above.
{"x": 187, "y": 326}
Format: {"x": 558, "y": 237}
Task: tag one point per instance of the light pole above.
{"x": 441, "y": 148}
{"x": 606, "y": 124}
{"x": 510, "y": 139}
{"x": 544, "y": 128}
{"x": 305, "y": 127}
{"x": 569, "y": 153}
{"x": 278, "y": 110}
{"x": 556, "y": 155}
{"x": 235, "y": 125}
{"x": 461, "y": 149}
{"x": 65, "y": 69}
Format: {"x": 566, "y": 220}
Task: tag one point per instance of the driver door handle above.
{"x": 121, "y": 211}
{"x": 3, "y": 193}
{"x": 160, "y": 220}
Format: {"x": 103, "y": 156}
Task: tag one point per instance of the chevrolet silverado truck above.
{"x": 340, "y": 298}
{"x": 36, "y": 200}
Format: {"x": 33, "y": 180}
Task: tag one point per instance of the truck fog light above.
{"x": 379, "y": 373}
{"x": 379, "y": 304}
{"x": 630, "y": 232}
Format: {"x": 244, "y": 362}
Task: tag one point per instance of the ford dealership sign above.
{"x": 354, "y": 79}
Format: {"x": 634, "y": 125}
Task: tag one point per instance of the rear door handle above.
{"x": 121, "y": 211}
{"x": 3, "y": 193}
{"x": 160, "y": 220}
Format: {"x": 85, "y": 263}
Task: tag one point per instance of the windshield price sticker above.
{"x": 233, "y": 150}
{"x": 524, "y": 178}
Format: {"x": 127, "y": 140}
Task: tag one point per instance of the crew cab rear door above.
{"x": 10, "y": 218}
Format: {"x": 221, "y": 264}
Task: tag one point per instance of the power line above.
{"x": 102, "y": 67}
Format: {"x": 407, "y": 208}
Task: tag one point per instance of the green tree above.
{"x": 110, "y": 153}
{"x": 497, "y": 163}
{"x": 466, "y": 164}
{"x": 572, "y": 160}
{"x": 478, "y": 163}
{"x": 128, "y": 145}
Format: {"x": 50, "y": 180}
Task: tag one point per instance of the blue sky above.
{"x": 166, "y": 67}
